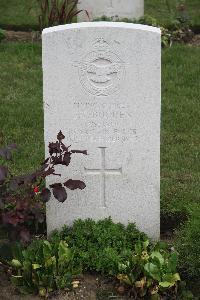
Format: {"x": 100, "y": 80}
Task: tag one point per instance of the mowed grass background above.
{"x": 21, "y": 118}
{"x": 23, "y": 14}
{"x": 21, "y": 115}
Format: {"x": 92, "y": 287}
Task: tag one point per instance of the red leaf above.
{"x": 79, "y": 151}
{"x": 74, "y": 184}
{"x": 12, "y": 218}
{"x": 59, "y": 193}
{"x": 45, "y": 195}
{"x": 60, "y": 136}
{"x": 66, "y": 158}
{"x": 54, "y": 148}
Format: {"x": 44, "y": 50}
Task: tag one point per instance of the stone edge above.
{"x": 101, "y": 25}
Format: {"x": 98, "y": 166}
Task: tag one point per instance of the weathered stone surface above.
{"x": 111, "y": 8}
{"x": 102, "y": 89}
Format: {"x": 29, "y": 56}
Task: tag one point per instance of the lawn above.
{"x": 22, "y": 14}
{"x": 180, "y": 134}
{"x": 164, "y": 13}
{"x": 21, "y": 102}
{"x": 22, "y": 117}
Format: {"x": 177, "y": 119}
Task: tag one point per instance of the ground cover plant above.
{"x": 150, "y": 271}
{"x": 141, "y": 269}
{"x": 43, "y": 267}
{"x": 98, "y": 246}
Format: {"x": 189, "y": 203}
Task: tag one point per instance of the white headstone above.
{"x": 102, "y": 89}
{"x": 131, "y": 9}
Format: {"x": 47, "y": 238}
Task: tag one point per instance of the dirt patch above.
{"x": 92, "y": 287}
{"x": 195, "y": 41}
{"x": 35, "y": 36}
{"x": 22, "y": 36}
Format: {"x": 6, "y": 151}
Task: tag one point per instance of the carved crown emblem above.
{"x": 101, "y": 45}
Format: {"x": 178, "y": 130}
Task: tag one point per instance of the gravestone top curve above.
{"x": 101, "y": 24}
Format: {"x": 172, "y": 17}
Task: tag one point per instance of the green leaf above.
{"x": 158, "y": 256}
{"x": 155, "y": 297}
{"x": 145, "y": 244}
{"x": 165, "y": 284}
{"x": 138, "y": 248}
{"x": 36, "y": 266}
{"x": 42, "y": 292}
{"x": 47, "y": 249}
{"x": 64, "y": 252}
{"x": 176, "y": 277}
{"x": 51, "y": 261}
{"x": 16, "y": 263}
{"x": 153, "y": 271}
{"x": 173, "y": 261}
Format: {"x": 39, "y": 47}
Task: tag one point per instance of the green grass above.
{"x": 180, "y": 154}
{"x": 22, "y": 117}
{"x": 22, "y": 13}
{"x": 18, "y": 13}
{"x": 161, "y": 11}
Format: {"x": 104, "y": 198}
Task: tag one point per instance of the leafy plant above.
{"x": 44, "y": 267}
{"x": 178, "y": 31}
{"x": 178, "y": 14}
{"x": 2, "y": 35}
{"x": 23, "y": 197}
{"x": 150, "y": 271}
{"x": 166, "y": 36}
{"x": 57, "y": 12}
{"x": 98, "y": 246}
{"x": 180, "y": 22}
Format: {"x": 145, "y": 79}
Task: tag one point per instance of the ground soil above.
{"x": 92, "y": 287}
{"x": 195, "y": 40}
{"x": 22, "y": 36}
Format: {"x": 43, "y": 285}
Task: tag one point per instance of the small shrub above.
{"x": 23, "y": 197}
{"x": 57, "y": 12}
{"x": 178, "y": 31}
{"x": 43, "y": 267}
{"x": 150, "y": 272}
{"x": 2, "y": 35}
{"x": 98, "y": 246}
{"x": 188, "y": 246}
{"x": 166, "y": 35}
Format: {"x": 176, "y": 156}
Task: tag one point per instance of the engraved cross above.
{"x": 103, "y": 172}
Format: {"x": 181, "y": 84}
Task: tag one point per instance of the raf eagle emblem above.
{"x": 101, "y": 71}
{"x": 102, "y": 74}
